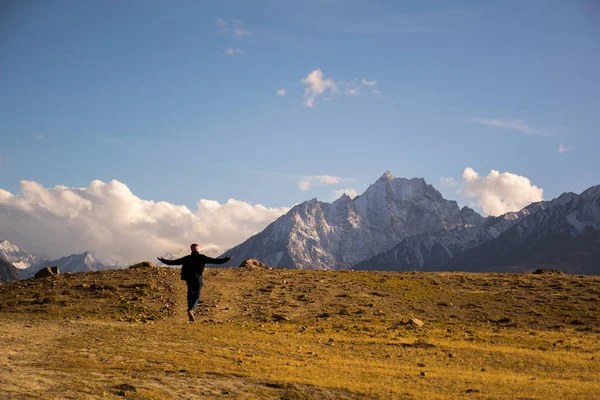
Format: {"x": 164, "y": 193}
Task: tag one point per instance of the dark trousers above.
{"x": 193, "y": 293}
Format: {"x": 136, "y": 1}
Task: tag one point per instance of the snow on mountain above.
{"x": 16, "y": 256}
{"x": 318, "y": 235}
{"x": 498, "y": 240}
{"x": 83, "y": 262}
{"x": 564, "y": 234}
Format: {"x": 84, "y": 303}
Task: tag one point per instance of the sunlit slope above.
{"x": 276, "y": 333}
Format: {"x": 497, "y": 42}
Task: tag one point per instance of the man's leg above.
{"x": 192, "y": 289}
{"x": 195, "y": 298}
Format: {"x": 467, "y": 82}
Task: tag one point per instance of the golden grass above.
{"x": 300, "y": 335}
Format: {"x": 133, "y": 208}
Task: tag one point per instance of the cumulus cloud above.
{"x": 305, "y": 182}
{"x": 376, "y": 91}
{"x": 281, "y": 92}
{"x": 339, "y": 192}
{"x": 369, "y": 83}
{"x": 563, "y": 149}
{"x": 351, "y": 92}
{"x": 232, "y": 52}
{"x": 498, "y": 193}
{"x": 108, "y": 219}
{"x": 316, "y": 84}
{"x": 513, "y": 124}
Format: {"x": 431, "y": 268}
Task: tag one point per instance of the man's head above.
{"x": 194, "y": 247}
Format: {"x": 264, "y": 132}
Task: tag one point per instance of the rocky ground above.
{"x": 289, "y": 334}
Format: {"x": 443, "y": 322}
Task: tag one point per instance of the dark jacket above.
{"x": 192, "y": 266}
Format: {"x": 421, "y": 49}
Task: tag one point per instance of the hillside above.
{"x": 8, "y": 272}
{"x": 290, "y": 334}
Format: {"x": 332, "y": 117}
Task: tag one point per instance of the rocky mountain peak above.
{"x": 386, "y": 177}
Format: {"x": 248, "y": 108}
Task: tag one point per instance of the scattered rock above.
{"x": 422, "y": 373}
{"x": 541, "y": 271}
{"x": 251, "y": 263}
{"x": 125, "y": 387}
{"x": 44, "y": 273}
{"x": 472, "y": 391}
{"x": 420, "y": 365}
{"x": 279, "y": 318}
{"x": 143, "y": 264}
{"x": 416, "y": 322}
{"x": 504, "y": 320}
{"x": 55, "y": 270}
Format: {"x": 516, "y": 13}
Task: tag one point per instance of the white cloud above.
{"x": 513, "y": 124}
{"x": 339, "y": 192}
{"x": 232, "y": 52}
{"x": 499, "y": 193}
{"x": 222, "y": 26}
{"x": 108, "y": 219}
{"x": 305, "y": 182}
{"x": 234, "y": 28}
{"x": 316, "y": 85}
{"x": 281, "y": 92}
{"x": 563, "y": 149}
{"x": 239, "y": 32}
{"x": 448, "y": 182}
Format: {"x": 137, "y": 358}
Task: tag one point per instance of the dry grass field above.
{"x": 288, "y": 334}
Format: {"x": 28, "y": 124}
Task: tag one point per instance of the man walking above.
{"x": 192, "y": 267}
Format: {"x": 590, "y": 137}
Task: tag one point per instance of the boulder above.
{"x": 143, "y": 264}
{"x": 541, "y": 271}
{"x": 44, "y": 273}
{"x": 251, "y": 263}
{"x": 55, "y": 270}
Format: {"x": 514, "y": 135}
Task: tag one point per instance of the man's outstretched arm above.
{"x": 209, "y": 260}
{"x": 179, "y": 261}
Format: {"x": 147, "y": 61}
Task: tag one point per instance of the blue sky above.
{"x": 145, "y": 93}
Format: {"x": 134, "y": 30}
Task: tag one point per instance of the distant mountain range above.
{"x": 28, "y": 264}
{"x": 399, "y": 224}
{"x": 406, "y": 225}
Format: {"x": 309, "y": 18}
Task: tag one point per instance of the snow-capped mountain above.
{"x": 317, "y": 235}
{"x": 16, "y": 256}
{"x": 563, "y": 235}
{"x": 432, "y": 250}
{"x": 83, "y": 262}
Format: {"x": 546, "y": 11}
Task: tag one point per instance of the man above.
{"x": 192, "y": 267}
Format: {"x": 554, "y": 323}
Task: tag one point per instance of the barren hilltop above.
{"x": 293, "y": 334}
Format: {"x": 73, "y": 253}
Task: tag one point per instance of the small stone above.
{"x": 422, "y": 373}
{"x": 417, "y": 322}
{"x": 472, "y": 391}
{"x": 420, "y": 365}
{"x": 450, "y": 355}
{"x": 483, "y": 370}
